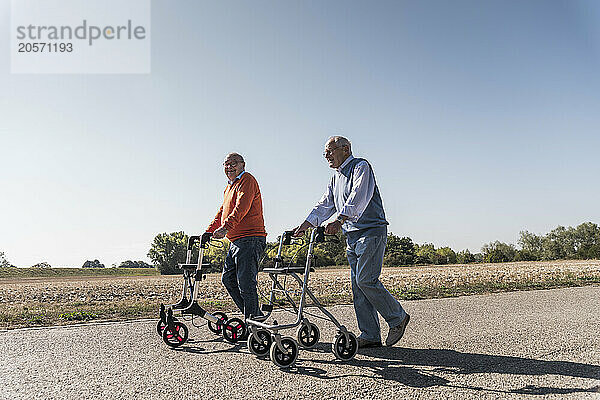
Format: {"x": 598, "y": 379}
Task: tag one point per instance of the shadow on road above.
{"x": 403, "y": 365}
{"x": 201, "y": 350}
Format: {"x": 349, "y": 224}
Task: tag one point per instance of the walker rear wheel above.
{"x": 308, "y": 335}
{"x": 160, "y": 327}
{"x": 216, "y": 328}
{"x": 234, "y": 330}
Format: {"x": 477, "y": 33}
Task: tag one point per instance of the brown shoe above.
{"x": 396, "y": 333}
{"x": 364, "y": 344}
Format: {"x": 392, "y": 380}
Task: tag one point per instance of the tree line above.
{"x": 562, "y": 243}
{"x": 124, "y": 264}
{"x": 87, "y": 264}
{"x": 581, "y": 242}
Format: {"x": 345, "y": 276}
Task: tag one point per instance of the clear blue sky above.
{"x": 480, "y": 119}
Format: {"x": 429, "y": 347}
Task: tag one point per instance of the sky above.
{"x": 480, "y": 119}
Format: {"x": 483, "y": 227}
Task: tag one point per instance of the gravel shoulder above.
{"x": 531, "y": 345}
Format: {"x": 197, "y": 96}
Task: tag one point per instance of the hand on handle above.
{"x": 219, "y": 233}
{"x": 299, "y": 231}
{"x": 333, "y": 227}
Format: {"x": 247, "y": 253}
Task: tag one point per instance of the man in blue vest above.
{"x": 353, "y": 195}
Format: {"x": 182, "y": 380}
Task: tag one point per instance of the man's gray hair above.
{"x": 340, "y": 141}
{"x": 236, "y": 156}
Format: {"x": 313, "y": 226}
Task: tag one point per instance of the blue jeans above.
{"x": 365, "y": 256}
{"x": 240, "y": 270}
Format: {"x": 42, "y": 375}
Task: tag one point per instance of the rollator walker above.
{"x": 265, "y": 338}
{"x": 171, "y": 329}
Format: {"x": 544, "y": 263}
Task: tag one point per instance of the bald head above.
{"x": 337, "y": 150}
{"x": 339, "y": 141}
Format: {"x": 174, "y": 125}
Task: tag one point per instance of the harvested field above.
{"x": 50, "y": 301}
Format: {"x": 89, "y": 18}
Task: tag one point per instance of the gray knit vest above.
{"x": 372, "y": 221}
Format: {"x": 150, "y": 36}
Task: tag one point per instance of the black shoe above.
{"x": 364, "y": 344}
{"x": 260, "y": 318}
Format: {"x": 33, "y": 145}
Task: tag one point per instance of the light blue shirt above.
{"x": 236, "y": 178}
{"x": 363, "y": 186}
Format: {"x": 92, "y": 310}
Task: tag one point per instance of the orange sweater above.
{"x": 241, "y": 212}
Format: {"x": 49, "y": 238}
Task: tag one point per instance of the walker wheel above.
{"x": 218, "y": 327}
{"x": 160, "y": 327}
{"x": 175, "y": 336}
{"x": 308, "y": 335}
{"x": 345, "y": 349}
{"x": 261, "y": 346}
{"x": 234, "y": 330}
{"x": 281, "y": 359}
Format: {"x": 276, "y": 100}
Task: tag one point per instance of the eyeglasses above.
{"x": 329, "y": 152}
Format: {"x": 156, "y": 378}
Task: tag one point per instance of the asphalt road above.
{"x": 531, "y": 345}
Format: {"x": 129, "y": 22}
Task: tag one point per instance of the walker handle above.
{"x": 192, "y": 240}
{"x": 204, "y": 239}
{"x": 287, "y": 237}
{"x": 320, "y": 235}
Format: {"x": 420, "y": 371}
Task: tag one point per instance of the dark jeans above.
{"x": 240, "y": 270}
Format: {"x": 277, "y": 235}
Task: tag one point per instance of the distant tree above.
{"x": 532, "y": 246}
{"x": 167, "y": 251}
{"x": 465, "y": 257}
{"x": 559, "y": 244}
{"x": 92, "y": 264}
{"x": 43, "y": 264}
{"x": 524, "y": 255}
{"x": 425, "y": 254}
{"x": 444, "y": 255}
{"x": 134, "y": 264}
{"x": 399, "y": 251}
{"x": 587, "y": 241}
{"x": 3, "y": 261}
{"x": 497, "y": 252}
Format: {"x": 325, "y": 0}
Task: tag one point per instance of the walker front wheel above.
{"x": 260, "y": 347}
{"x": 176, "y": 335}
{"x": 287, "y": 359}
{"x": 345, "y": 349}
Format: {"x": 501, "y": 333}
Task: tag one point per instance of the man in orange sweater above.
{"x": 240, "y": 219}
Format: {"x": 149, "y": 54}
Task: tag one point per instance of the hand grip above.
{"x": 287, "y": 237}
{"x": 205, "y": 239}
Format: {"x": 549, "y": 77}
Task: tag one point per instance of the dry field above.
{"x": 28, "y": 302}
